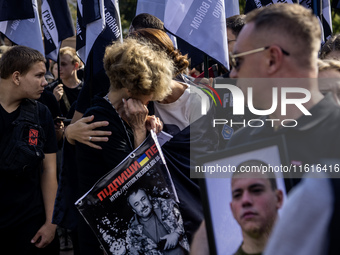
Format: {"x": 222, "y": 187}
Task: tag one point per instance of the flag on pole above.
{"x": 90, "y": 24}
{"x": 232, "y": 7}
{"x": 157, "y": 9}
{"x": 327, "y": 19}
{"x": 322, "y": 9}
{"x": 56, "y": 24}
{"x": 200, "y": 23}
{"x": 153, "y": 7}
{"x": 336, "y": 4}
{"x": 322, "y": 12}
{"x": 9, "y": 9}
{"x": 23, "y": 31}
{"x": 111, "y": 32}
{"x": 94, "y": 53}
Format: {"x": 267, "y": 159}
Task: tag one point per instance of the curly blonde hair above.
{"x": 332, "y": 44}
{"x": 161, "y": 40}
{"x": 328, "y": 64}
{"x": 139, "y": 68}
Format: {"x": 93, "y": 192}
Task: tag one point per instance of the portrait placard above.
{"x": 135, "y": 200}
{"x": 224, "y": 233}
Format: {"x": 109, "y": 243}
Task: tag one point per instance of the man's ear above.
{"x": 16, "y": 78}
{"x": 76, "y": 65}
{"x": 275, "y": 58}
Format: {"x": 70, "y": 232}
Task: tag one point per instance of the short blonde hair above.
{"x": 136, "y": 66}
{"x": 71, "y": 52}
{"x": 294, "y": 22}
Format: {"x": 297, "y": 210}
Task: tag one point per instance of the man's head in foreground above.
{"x": 281, "y": 40}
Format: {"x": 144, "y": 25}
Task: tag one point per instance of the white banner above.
{"x": 93, "y": 29}
{"x": 201, "y": 23}
{"x": 50, "y": 30}
{"x": 25, "y": 32}
{"x": 232, "y": 7}
{"x": 153, "y": 7}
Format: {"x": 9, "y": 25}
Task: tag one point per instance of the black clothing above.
{"x": 92, "y": 164}
{"x": 24, "y": 188}
{"x": 240, "y": 251}
{"x": 334, "y": 225}
{"x": 21, "y": 195}
{"x": 20, "y": 244}
{"x": 71, "y": 96}
{"x": 314, "y": 138}
{"x": 225, "y": 112}
{"x": 100, "y": 84}
{"x": 47, "y": 98}
{"x": 113, "y": 152}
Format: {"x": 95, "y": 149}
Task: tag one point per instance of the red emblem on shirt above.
{"x": 33, "y": 137}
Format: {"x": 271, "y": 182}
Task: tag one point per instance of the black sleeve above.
{"x": 46, "y": 122}
{"x": 47, "y": 98}
{"x": 93, "y": 163}
{"x": 100, "y": 84}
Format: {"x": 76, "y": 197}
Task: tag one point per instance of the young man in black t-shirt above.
{"x": 27, "y": 192}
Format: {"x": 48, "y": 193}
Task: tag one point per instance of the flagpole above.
{"x": 315, "y": 7}
{"x": 90, "y": 62}
{"x": 206, "y": 66}
{"x": 58, "y": 65}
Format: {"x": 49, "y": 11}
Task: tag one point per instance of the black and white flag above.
{"x": 200, "y": 23}
{"x": 56, "y": 24}
{"x": 90, "y": 24}
{"x": 153, "y": 7}
{"x": 232, "y": 7}
{"x": 95, "y": 31}
{"x": 9, "y": 10}
{"x": 322, "y": 12}
{"x": 324, "y": 15}
{"x": 22, "y": 31}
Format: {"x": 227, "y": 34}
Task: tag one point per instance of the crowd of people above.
{"x": 54, "y": 147}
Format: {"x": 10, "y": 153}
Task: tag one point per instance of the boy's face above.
{"x": 67, "y": 69}
{"x": 32, "y": 84}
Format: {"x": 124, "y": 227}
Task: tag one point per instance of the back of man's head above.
{"x": 146, "y": 20}
{"x": 235, "y": 23}
{"x": 292, "y": 25}
{"x": 19, "y": 58}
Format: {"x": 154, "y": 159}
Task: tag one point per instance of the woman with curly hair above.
{"x": 138, "y": 74}
{"x": 181, "y": 114}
